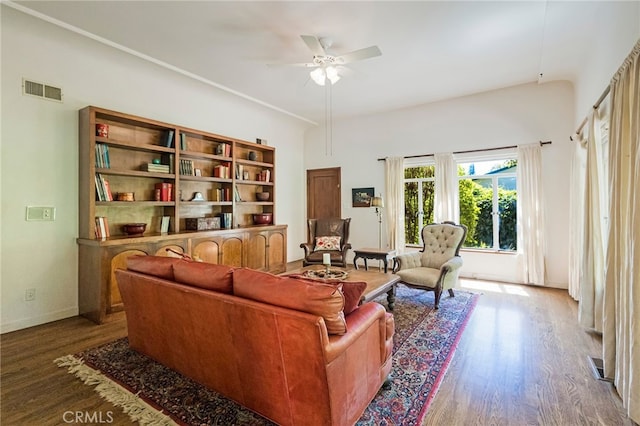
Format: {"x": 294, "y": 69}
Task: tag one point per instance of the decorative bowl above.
{"x": 263, "y": 218}
{"x": 126, "y": 196}
{"x": 134, "y": 228}
{"x": 262, "y": 196}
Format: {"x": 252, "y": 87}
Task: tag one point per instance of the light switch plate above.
{"x": 41, "y": 213}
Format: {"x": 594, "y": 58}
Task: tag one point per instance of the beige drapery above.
{"x": 621, "y": 331}
{"x": 593, "y": 273}
{"x": 576, "y": 213}
{"x": 530, "y": 211}
{"x": 446, "y": 204}
{"x": 394, "y": 206}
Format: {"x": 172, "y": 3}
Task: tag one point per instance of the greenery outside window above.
{"x": 419, "y": 190}
{"x": 488, "y": 204}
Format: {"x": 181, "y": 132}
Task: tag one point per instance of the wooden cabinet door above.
{"x": 257, "y": 246}
{"x": 118, "y": 261}
{"x": 207, "y": 250}
{"x": 232, "y": 250}
{"x": 277, "y": 249}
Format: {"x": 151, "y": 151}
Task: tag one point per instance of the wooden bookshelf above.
{"x": 226, "y": 172}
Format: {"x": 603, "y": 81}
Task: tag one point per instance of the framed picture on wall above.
{"x": 362, "y": 196}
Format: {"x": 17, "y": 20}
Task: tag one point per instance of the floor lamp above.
{"x": 378, "y": 203}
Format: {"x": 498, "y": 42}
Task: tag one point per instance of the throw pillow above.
{"x": 158, "y": 266}
{"x": 204, "y": 275}
{"x": 323, "y": 300}
{"x": 351, "y": 290}
{"x": 327, "y": 243}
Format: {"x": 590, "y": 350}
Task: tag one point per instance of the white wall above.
{"x": 40, "y": 151}
{"x": 518, "y": 115}
{"x": 617, "y": 32}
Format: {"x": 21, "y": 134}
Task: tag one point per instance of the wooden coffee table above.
{"x": 373, "y": 253}
{"x": 378, "y": 283}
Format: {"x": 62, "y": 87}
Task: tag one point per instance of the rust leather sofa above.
{"x": 280, "y": 346}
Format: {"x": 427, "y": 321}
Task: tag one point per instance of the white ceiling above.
{"x": 430, "y": 50}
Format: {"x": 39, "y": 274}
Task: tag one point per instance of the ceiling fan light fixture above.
{"x": 318, "y": 76}
{"x": 332, "y": 74}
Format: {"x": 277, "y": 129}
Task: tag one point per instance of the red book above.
{"x": 164, "y": 191}
{"x": 170, "y": 192}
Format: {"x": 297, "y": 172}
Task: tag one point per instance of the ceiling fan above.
{"x": 327, "y": 66}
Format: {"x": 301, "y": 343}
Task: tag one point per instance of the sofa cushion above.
{"x": 327, "y": 243}
{"x": 204, "y": 275}
{"x": 324, "y": 300}
{"x": 351, "y": 290}
{"x": 158, "y": 266}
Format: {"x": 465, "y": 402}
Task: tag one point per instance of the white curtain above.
{"x": 621, "y": 331}
{"x": 394, "y": 188}
{"x": 530, "y": 214}
{"x": 592, "y": 286}
{"x": 446, "y": 204}
{"x": 576, "y": 214}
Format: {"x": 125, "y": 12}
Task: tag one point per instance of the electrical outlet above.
{"x": 30, "y": 294}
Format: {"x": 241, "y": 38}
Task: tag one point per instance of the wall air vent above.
{"x": 41, "y": 90}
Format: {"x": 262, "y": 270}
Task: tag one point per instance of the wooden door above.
{"x": 323, "y": 193}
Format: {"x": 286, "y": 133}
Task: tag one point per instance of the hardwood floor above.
{"x": 522, "y": 360}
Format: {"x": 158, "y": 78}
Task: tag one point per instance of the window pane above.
{"x": 411, "y": 209}
{"x": 507, "y": 201}
{"x": 419, "y": 172}
{"x": 483, "y": 196}
{"x": 428, "y": 193}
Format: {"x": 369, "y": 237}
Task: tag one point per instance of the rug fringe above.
{"x": 131, "y": 404}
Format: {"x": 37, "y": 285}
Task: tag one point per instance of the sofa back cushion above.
{"x": 158, "y": 266}
{"x": 204, "y": 275}
{"x": 324, "y": 300}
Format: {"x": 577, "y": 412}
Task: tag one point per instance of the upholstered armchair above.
{"x": 327, "y": 236}
{"x": 436, "y": 267}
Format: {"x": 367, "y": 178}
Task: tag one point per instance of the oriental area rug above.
{"x": 151, "y": 394}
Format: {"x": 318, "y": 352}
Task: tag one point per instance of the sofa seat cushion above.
{"x": 204, "y": 275}
{"x": 158, "y": 266}
{"x": 324, "y": 300}
{"x": 421, "y": 276}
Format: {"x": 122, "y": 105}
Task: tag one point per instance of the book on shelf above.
{"x": 164, "y": 224}
{"x": 167, "y": 159}
{"x": 187, "y": 167}
{"x": 183, "y": 141}
{"x": 168, "y": 142}
{"x": 165, "y": 190}
{"x": 222, "y": 171}
{"x": 157, "y": 168}
{"x": 103, "y": 191}
{"x": 102, "y": 227}
{"x": 102, "y": 156}
{"x": 236, "y": 194}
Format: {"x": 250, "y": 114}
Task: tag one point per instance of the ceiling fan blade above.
{"x": 299, "y": 65}
{"x": 358, "y": 55}
{"x": 314, "y": 44}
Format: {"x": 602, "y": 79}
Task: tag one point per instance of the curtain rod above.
{"x": 595, "y": 106}
{"x": 469, "y": 151}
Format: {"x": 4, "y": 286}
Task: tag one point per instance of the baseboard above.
{"x": 42, "y": 319}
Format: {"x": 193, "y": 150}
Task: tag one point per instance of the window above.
{"x": 419, "y": 190}
{"x": 488, "y": 203}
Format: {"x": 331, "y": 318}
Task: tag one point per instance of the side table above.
{"x": 373, "y": 253}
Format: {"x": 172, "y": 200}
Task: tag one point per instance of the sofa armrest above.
{"x": 358, "y": 322}
{"x": 408, "y": 261}
{"x": 452, "y": 264}
{"x": 308, "y": 248}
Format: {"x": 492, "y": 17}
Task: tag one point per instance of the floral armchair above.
{"x": 436, "y": 267}
{"x": 327, "y": 236}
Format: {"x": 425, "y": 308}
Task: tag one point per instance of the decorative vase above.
{"x": 252, "y": 156}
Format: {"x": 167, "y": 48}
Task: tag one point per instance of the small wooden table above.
{"x": 378, "y": 283}
{"x": 373, "y": 253}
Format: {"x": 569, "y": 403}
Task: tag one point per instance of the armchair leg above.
{"x": 451, "y": 293}
{"x": 438, "y": 292}
{"x": 386, "y": 385}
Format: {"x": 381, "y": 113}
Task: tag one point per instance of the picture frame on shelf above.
{"x": 361, "y": 197}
